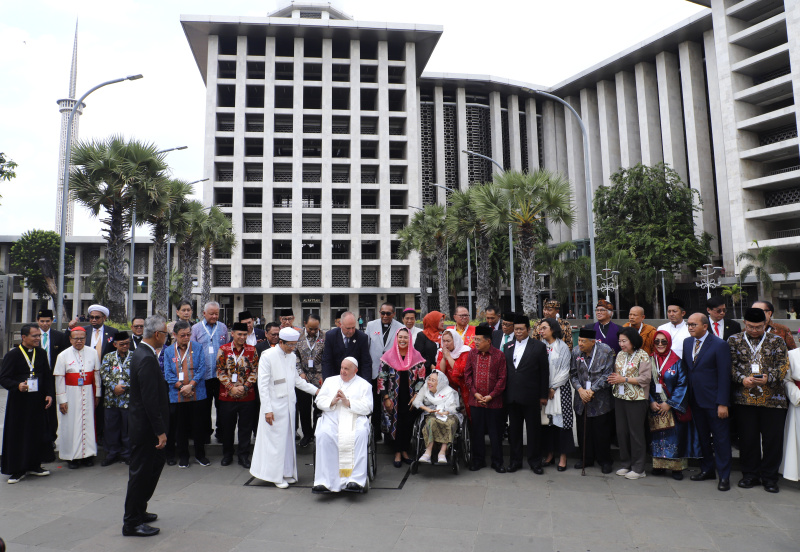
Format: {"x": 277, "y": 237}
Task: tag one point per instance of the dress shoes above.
{"x": 499, "y": 468}
{"x": 244, "y": 462}
{"x": 88, "y": 462}
{"x": 126, "y": 461}
{"x": 73, "y": 464}
{"x": 771, "y": 487}
{"x": 226, "y": 461}
{"x": 724, "y": 485}
{"x": 397, "y": 464}
{"x": 561, "y": 468}
{"x": 550, "y": 463}
{"x": 353, "y": 487}
{"x": 579, "y": 465}
{"x": 142, "y": 530}
{"x": 538, "y": 470}
{"x": 607, "y": 468}
{"x": 475, "y": 467}
{"x": 749, "y": 482}
{"x": 109, "y": 460}
{"x": 171, "y": 461}
{"x": 320, "y": 489}
{"x": 305, "y": 441}
{"x": 703, "y": 476}
{"x": 677, "y": 475}
{"x": 513, "y": 467}
{"x": 149, "y": 518}
{"x": 202, "y": 460}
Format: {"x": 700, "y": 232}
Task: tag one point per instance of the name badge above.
{"x": 234, "y": 378}
{"x": 80, "y": 382}
{"x": 755, "y": 368}
{"x": 311, "y": 363}
{"x": 588, "y": 385}
{"x": 621, "y": 389}
{"x": 180, "y": 376}
{"x": 210, "y": 349}
{"x": 33, "y": 385}
{"x": 279, "y": 381}
{"x": 659, "y": 388}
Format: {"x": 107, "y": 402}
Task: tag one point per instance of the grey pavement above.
{"x": 220, "y": 509}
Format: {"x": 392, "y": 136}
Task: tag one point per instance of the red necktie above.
{"x": 716, "y": 329}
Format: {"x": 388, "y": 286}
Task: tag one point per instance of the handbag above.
{"x": 684, "y": 417}
{"x": 660, "y": 421}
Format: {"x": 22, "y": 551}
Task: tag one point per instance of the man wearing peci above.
{"x": 148, "y": 421}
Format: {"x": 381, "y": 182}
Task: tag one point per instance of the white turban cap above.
{"x": 289, "y": 334}
{"x": 99, "y": 308}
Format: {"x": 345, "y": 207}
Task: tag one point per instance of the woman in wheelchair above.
{"x": 440, "y": 402}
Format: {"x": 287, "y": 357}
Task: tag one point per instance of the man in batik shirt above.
{"x": 115, "y": 374}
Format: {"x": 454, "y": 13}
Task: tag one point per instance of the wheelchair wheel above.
{"x": 466, "y": 443}
{"x": 372, "y": 464}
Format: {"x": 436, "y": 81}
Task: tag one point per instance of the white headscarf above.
{"x": 444, "y": 393}
{"x": 459, "y": 347}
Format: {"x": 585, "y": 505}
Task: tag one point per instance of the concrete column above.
{"x": 463, "y": 158}
{"x": 792, "y": 8}
{"x": 269, "y": 176}
{"x": 496, "y": 123}
{"x": 438, "y": 143}
{"x": 649, "y": 118}
{"x": 383, "y": 164}
{"x": 532, "y": 128}
{"x": 326, "y": 238}
{"x": 355, "y": 158}
{"x": 297, "y": 162}
{"x": 414, "y": 147}
{"x": 630, "y": 145}
{"x": 514, "y": 142}
{"x": 609, "y": 130}
{"x": 576, "y": 174}
{"x": 238, "y": 159}
{"x": 669, "y": 102}
{"x": 591, "y": 120}
{"x": 698, "y": 141}
{"x": 211, "y": 122}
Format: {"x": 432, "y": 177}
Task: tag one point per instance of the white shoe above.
{"x": 442, "y": 459}
{"x": 623, "y": 471}
{"x": 425, "y": 458}
{"x": 282, "y": 485}
{"x": 634, "y": 475}
{"x": 290, "y": 480}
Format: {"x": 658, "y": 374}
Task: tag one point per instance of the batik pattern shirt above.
{"x": 115, "y": 371}
{"x": 245, "y": 367}
{"x": 772, "y": 359}
{"x": 310, "y": 350}
{"x": 601, "y": 360}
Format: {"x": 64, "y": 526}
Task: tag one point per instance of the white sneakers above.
{"x": 442, "y": 459}
{"x": 282, "y": 485}
{"x": 623, "y": 471}
{"x": 634, "y": 475}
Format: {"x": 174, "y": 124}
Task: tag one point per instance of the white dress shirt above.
{"x": 519, "y": 350}
{"x": 678, "y": 334}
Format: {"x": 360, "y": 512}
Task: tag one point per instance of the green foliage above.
{"x": 737, "y": 294}
{"x": 7, "y": 167}
{"x": 98, "y": 281}
{"x": 35, "y": 256}
{"x": 760, "y": 264}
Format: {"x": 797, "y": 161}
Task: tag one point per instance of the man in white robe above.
{"x": 77, "y": 375}
{"x": 274, "y": 455}
{"x": 342, "y": 433}
{"x": 676, "y": 327}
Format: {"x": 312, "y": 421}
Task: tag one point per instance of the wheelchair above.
{"x": 372, "y": 457}
{"x": 459, "y": 450}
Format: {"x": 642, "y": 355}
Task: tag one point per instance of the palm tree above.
{"x": 216, "y": 235}
{"x": 527, "y": 200}
{"x": 758, "y": 265}
{"x": 409, "y": 242}
{"x": 427, "y": 234}
{"x": 107, "y": 176}
{"x": 157, "y": 211}
{"x": 188, "y": 224}
{"x": 550, "y": 260}
{"x": 736, "y": 292}
{"x": 98, "y": 281}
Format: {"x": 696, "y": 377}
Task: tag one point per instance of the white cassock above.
{"x": 790, "y": 467}
{"x": 677, "y": 333}
{"x": 77, "y": 375}
{"x": 274, "y": 455}
{"x": 342, "y": 434}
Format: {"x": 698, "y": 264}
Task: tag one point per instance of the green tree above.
{"x": 527, "y": 201}
{"x": 98, "y": 281}
{"x": 556, "y": 262}
{"x": 737, "y": 294}
{"x": 7, "y": 167}
{"x": 107, "y": 176}
{"x": 216, "y": 235}
{"x": 35, "y": 256}
{"x": 188, "y": 230}
{"x": 649, "y": 213}
{"x": 410, "y": 242}
{"x": 426, "y": 233}
{"x": 759, "y": 265}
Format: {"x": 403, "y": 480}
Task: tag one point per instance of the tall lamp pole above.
{"x": 469, "y": 259}
{"x": 510, "y": 233}
{"x": 707, "y": 281}
{"x": 610, "y": 282}
{"x": 588, "y": 178}
{"x": 65, "y": 195}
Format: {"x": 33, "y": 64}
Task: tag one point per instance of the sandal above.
{"x": 442, "y": 459}
{"x": 425, "y": 458}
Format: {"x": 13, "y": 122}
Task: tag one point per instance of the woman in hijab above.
{"x": 433, "y": 326}
{"x": 440, "y": 402}
{"x": 452, "y": 360}
{"x": 402, "y": 373}
{"x": 558, "y": 435}
{"x": 671, "y": 447}
{"x": 425, "y": 346}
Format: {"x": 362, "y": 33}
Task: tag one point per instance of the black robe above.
{"x": 25, "y": 434}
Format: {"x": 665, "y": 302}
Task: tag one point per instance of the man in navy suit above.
{"x": 343, "y": 342}
{"x": 708, "y": 362}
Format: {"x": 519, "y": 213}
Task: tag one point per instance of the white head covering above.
{"x": 289, "y": 334}
{"x": 351, "y": 359}
{"x": 99, "y": 308}
{"x": 440, "y": 397}
{"x": 458, "y": 341}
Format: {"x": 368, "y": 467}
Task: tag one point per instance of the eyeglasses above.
{"x": 692, "y": 325}
{"x": 95, "y": 317}
{"x": 137, "y": 326}
{"x": 383, "y": 313}
{"x": 660, "y": 341}
{"x": 462, "y": 315}
{"x": 75, "y": 338}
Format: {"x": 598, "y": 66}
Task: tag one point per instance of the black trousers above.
{"x": 228, "y": 414}
{"x": 116, "y": 440}
{"x": 483, "y": 420}
{"x": 598, "y": 437}
{"x": 530, "y": 415}
{"x": 710, "y": 426}
{"x": 305, "y": 405}
{"x": 760, "y": 432}
{"x": 145, "y": 469}
{"x": 212, "y": 392}
{"x": 185, "y": 420}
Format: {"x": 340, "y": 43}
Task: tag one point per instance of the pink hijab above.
{"x": 392, "y": 356}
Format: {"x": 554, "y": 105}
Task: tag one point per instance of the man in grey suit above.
{"x": 381, "y": 338}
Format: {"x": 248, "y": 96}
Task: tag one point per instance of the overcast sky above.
{"x": 536, "y": 41}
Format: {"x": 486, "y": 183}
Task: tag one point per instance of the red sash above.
{"x": 73, "y": 377}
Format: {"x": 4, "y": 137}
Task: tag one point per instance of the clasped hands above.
{"x": 586, "y": 395}
{"x": 660, "y": 407}
{"x": 483, "y": 400}
{"x": 340, "y": 397}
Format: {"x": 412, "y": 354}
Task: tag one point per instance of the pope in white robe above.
{"x": 77, "y": 375}
{"x": 274, "y": 455}
{"x": 342, "y": 433}
{"x": 790, "y": 467}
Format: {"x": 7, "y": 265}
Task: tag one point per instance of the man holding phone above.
{"x": 759, "y": 364}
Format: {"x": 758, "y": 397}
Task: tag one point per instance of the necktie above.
{"x": 98, "y": 345}
{"x": 44, "y": 340}
{"x": 716, "y": 329}
{"x": 696, "y": 348}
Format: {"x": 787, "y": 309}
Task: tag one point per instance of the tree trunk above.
{"x": 161, "y": 272}
{"x": 205, "y": 293}
{"x": 188, "y": 265}
{"x": 424, "y": 271}
{"x": 527, "y": 262}
{"x": 117, "y": 282}
{"x": 482, "y": 290}
{"x": 441, "y": 269}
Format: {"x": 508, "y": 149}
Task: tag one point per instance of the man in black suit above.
{"x": 271, "y": 331}
{"x": 137, "y": 332}
{"x": 527, "y": 389}
{"x": 254, "y": 335}
{"x": 148, "y": 420}
{"x": 343, "y": 342}
{"x": 505, "y": 335}
{"x": 492, "y": 318}
{"x": 54, "y": 342}
{"x": 719, "y": 326}
{"x": 708, "y": 363}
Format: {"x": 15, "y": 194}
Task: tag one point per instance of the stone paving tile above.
{"x": 446, "y": 516}
{"x": 516, "y": 498}
{"x": 307, "y": 530}
{"x": 424, "y": 539}
{"x": 581, "y": 503}
{"x": 348, "y": 534}
{"x": 502, "y": 541}
{"x": 732, "y": 538}
{"x": 229, "y": 520}
{"x": 738, "y": 513}
{"x": 692, "y": 534}
{"x": 784, "y": 516}
{"x": 512, "y": 521}
{"x": 602, "y": 526}
{"x": 653, "y": 507}
{"x": 63, "y": 533}
{"x": 442, "y": 493}
{"x": 57, "y": 501}
{"x": 194, "y": 540}
{"x": 14, "y": 523}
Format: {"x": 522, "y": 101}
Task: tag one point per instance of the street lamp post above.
{"x": 588, "y": 178}
{"x": 706, "y": 278}
{"x": 469, "y": 259}
{"x": 663, "y": 290}
{"x": 510, "y": 233}
{"x": 609, "y": 282}
{"x": 65, "y": 195}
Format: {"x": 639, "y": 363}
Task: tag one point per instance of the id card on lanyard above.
{"x": 32, "y": 382}
{"x": 210, "y": 336}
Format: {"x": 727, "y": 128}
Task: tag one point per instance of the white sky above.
{"x": 537, "y": 41}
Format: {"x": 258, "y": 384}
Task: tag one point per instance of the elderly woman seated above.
{"x": 440, "y": 402}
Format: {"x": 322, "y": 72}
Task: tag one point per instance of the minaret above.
{"x": 65, "y": 107}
